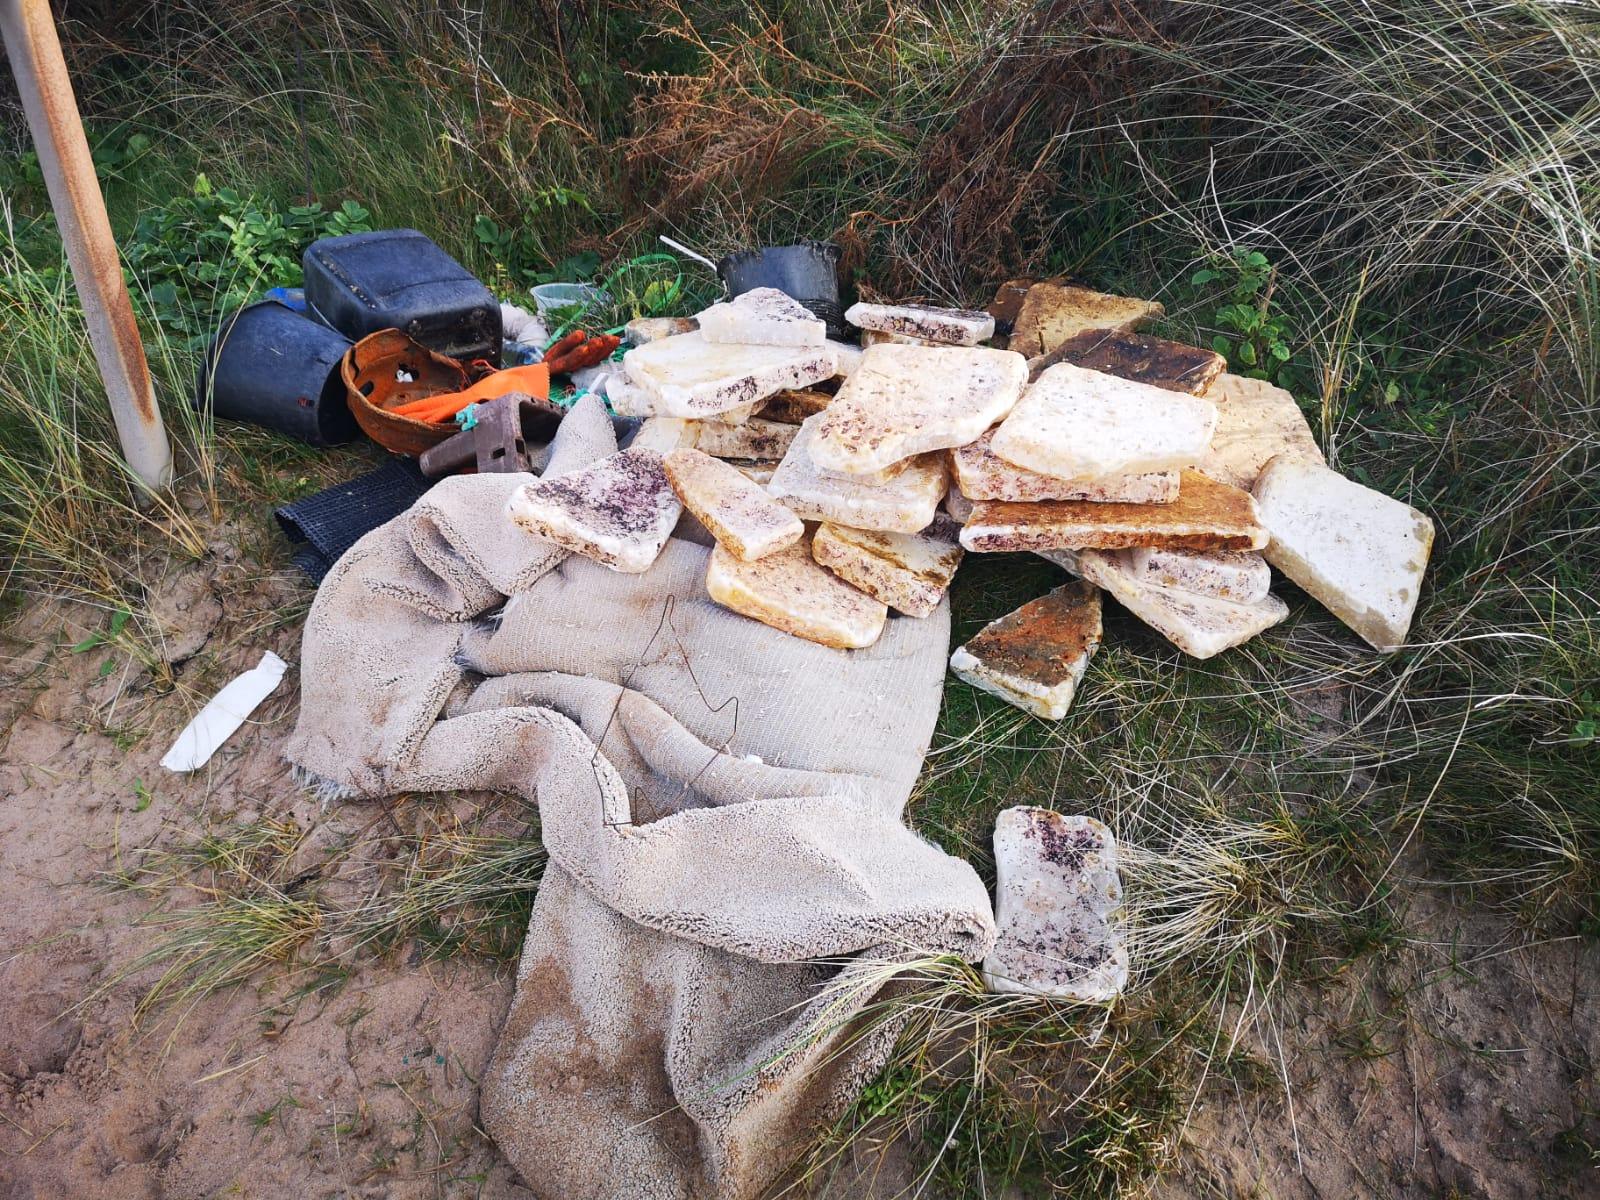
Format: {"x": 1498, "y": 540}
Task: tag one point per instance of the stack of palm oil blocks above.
{"x": 840, "y": 484}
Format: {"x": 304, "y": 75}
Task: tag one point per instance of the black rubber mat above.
{"x": 322, "y": 527}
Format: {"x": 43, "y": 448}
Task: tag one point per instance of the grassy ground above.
{"x": 1418, "y": 185}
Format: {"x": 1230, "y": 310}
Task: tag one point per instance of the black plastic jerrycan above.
{"x": 399, "y": 279}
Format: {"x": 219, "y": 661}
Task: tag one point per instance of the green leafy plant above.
{"x": 217, "y": 248}
{"x": 518, "y": 260}
{"x": 1587, "y": 727}
{"x": 1255, "y": 338}
{"x": 109, "y": 636}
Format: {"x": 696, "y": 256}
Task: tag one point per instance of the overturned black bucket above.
{"x": 808, "y": 272}
{"x": 272, "y": 367}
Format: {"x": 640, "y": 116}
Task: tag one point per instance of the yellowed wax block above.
{"x": 762, "y": 317}
{"x": 1359, "y": 552}
{"x": 909, "y": 400}
{"x": 665, "y": 434}
{"x": 1035, "y": 657}
{"x": 688, "y": 376}
{"x": 760, "y": 472}
{"x": 1256, "y": 422}
{"x": 791, "y": 407}
{"x": 981, "y": 474}
{"x": 1238, "y": 575}
{"x": 1207, "y": 515}
{"x": 903, "y": 504}
{"x": 756, "y": 438}
{"x": 1200, "y": 626}
{"x": 1053, "y": 312}
{"x": 944, "y": 326}
{"x": 1078, "y": 424}
{"x": 1057, "y": 895}
{"x": 910, "y": 572}
{"x": 736, "y": 511}
{"x": 618, "y": 511}
{"x": 789, "y": 591}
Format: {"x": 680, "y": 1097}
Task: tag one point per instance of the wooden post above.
{"x": 41, "y": 74}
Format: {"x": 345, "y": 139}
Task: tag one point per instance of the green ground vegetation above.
{"x": 1391, "y": 209}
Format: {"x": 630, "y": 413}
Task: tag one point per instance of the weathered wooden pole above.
{"x": 41, "y": 74}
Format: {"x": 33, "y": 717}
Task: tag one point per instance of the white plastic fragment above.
{"x": 223, "y": 714}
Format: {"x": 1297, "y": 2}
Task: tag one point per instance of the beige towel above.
{"x": 722, "y": 808}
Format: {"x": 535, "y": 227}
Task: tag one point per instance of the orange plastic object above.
{"x": 388, "y": 370}
{"x": 531, "y": 380}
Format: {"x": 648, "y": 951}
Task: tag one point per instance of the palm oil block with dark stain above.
{"x": 1136, "y": 356}
{"x": 1034, "y": 657}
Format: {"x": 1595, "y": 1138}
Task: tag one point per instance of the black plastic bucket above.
{"x": 272, "y": 367}
{"x": 808, "y": 272}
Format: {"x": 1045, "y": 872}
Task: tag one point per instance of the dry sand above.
{"x": 364, "y": 1085}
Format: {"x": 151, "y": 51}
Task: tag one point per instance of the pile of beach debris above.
{"x": 840, "y": 482}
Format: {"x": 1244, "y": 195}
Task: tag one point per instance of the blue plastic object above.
{"x": 293, "y": 299}
{"x": 272, "y": 367}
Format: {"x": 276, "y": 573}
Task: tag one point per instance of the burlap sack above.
{"x": 722, "y": 807}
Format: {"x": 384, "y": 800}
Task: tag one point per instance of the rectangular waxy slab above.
{"x": 849, "y": 356}
{"x": 756, "y": 438}
{"x": 1035, "y": 657}
{"x": 688, "y": 376}
{"x": 1359, "y": 552}
{"x": 789, "y": 591}
{"x": 1198, "y": 625}
{"x": 735, "y": 510}
{"x": 1053, "y": 312}
{"x": 903, "y": 504}
{"x": 1139, "y": 357}
{"x": 628, "y": 399}
{"x": 649, "y": 329}
{"x": 1206, "y": 516}
{"x": 1256, "y": 423}
{"x": 1056, "y": 899}
{"x": 1078, "y": 424}
{"x": 618, "y": 511}
{"x": 981, "y": 474}
{"x": 876, "y": 337}
{"x": 664, "y": 434}
{"x": 948, "y": 326}
{"x": 910, "y": 572}
{"x": 1238, "y": 575}
{"x": 762, "y": 317}
{"x": 907, "y": 400}
{"x": 760, "y": 472}
{"x": 792, "y": 407}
